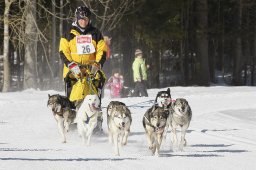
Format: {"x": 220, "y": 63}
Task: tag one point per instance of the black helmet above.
{"x": 82, "y": 12}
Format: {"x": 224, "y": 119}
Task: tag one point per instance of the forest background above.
{"x": 185, "y": 42}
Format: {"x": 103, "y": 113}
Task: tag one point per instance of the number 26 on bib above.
{"x": 84, "y": 44}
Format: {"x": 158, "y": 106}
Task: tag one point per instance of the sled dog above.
{"x": 154, "y": 122}
{"x": 180, "y": 116}
{"x": 63, "y": 112}
{"x": 163, "y": 98}
{"x": 119, "y": 121}
{"x": 87, "y": 113}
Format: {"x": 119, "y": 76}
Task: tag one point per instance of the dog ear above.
{"x": 60, "y": 100}
{"x": 124, "y": 108}
{"x": 169, "y": 91}
{"x": 109, "y": 109}
{"x": 158, "y": 94}
{"x": 186, "y": 101}
{"x": 49, "y": 96}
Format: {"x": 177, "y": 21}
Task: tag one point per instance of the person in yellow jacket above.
{"x": 81, "y": 48}
{"x": 82, "y": 45}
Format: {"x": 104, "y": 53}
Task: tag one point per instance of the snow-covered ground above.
{"x": 222, "y": 134}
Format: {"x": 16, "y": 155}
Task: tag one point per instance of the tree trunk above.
{"x": 212, "y": 48}
{"x": 202, "y": 42}
{"x": 30, "y": 80}
{"x": 155, "y": 69}
{"x": 253, "y": 58}
{"x": 6, "y": 76}
{"x": 104, "y": 17}
{"x": 61, "y": 32}
{"x": 54, "y": 54}
{"x": 237, "y": 79}
{"x": 186, "y": 19}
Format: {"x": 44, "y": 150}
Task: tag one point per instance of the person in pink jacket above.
{"x": 115, "y": 83}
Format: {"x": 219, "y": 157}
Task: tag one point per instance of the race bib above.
{"x": 84, "y": 44}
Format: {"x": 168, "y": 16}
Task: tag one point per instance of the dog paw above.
{"x": 150, "y": 147}
{"x": 117, "y": 154}
{"x": 181, "y": 147}
{"x": 64, "y": 141}
{"x": 185, "y": 142}
{"x": 156, "y": 154}
{"x": 124, "y": 143}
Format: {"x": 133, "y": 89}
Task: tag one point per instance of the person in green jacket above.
{"x": 139, "y": 75}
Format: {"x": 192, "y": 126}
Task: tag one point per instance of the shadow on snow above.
{"x": 70, "y": 159}
{"x": 24, "y": 150}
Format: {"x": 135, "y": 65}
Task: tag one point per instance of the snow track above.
{"x": 221, "y": 134}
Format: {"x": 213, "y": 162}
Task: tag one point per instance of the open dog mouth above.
{"x": 93, "y": 107}
{"x": 165, "y": 103}
{"x": 159, "y": 129}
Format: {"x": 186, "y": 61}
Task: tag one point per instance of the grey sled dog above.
{"x": 180, "y": 116}
{"x": 63, "y": 112}
{"x": 154, "y": 122}
{"x": 119, "y": 120}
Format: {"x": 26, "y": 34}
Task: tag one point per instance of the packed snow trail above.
{"x": 221, "y": 134}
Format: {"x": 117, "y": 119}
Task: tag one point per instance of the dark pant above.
{"x": 140, "y": 89}
{"x": 68, "y": 85}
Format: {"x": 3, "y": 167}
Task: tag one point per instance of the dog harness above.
{"x": 152, "y": 125}
{"x": 88, "y": 118}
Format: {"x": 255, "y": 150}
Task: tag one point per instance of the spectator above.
{"x": 115, "y": 83}
{"x": 139, "y": 75}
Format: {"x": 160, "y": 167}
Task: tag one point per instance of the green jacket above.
{"x": 139, "y": 69}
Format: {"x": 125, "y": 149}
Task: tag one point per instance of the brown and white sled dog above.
{"x": 179, "y": 117}
{"x": 164, "y": 100}
{"x": 119, "y": 121}
{"x": 86, "y": 117}
{"x": 154, "y": 122}
{"x": 63, "y": 111}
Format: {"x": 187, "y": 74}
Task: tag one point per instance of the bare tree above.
{"x": 6, "y": 82}
{"x": 110, "y": 12}
{"x": 202, "y": 41}
{"x": 238, "y": 46}
{"x": 30, "y": 46}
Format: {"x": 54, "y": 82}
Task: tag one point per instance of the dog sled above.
{"x": 84, "y": 84}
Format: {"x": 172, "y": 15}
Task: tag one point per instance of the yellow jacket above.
{"x": 139, "y": 69}
{"x": 69, "y": 48}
